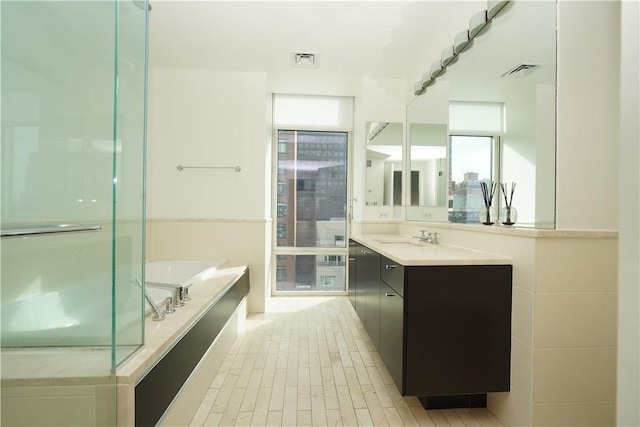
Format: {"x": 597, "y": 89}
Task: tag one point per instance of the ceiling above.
{"x": 352, "y": 39}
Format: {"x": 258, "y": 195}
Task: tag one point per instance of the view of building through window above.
{"x": 470, "y": 163}
{"x": 311, "y": 210}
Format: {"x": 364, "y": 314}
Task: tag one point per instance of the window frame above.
{"x": 340, "y": 251}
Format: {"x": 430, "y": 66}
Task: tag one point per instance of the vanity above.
{"x": 439, "y": 315}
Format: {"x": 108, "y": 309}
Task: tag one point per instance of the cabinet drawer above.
{"x": 392, "y": 274}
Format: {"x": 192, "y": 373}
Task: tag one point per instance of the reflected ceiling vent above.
{"x": 521, "y": 70}
{"x": 304, "y": 60}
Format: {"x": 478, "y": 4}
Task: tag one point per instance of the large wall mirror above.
{"x": 383, "y": 176}
{"x": 428, "y": 124}
{"x": 500, "y": 103}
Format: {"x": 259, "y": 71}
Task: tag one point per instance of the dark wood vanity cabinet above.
{"x": 366, "y": 288}
{"x": 353, "y": 250}
{"x": 443, "y": 332}
{"x": 457, "y": 330}
{"x": 391, "y": 332}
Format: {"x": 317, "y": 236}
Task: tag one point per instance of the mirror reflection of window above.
{"x": 470, "y": 163}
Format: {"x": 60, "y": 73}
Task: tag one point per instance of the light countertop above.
{"x": 409, "y": 251}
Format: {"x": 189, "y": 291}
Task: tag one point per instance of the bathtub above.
{"x": 181, "y": 272}
{"x": 177, "y": 276}
{"x": 78, "y": 314}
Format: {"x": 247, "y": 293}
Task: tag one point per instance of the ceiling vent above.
{"x": 521, "y": 70}
{"x": 304, "y": 60}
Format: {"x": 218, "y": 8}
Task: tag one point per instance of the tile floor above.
{"x": 309, "y": 362}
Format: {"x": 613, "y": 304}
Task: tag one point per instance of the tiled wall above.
{"x": 575, "y": 315}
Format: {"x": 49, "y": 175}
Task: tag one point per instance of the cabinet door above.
{"x": 360, "y": 279}
{"x": 353, "y": 250}
{"x": 458, "y": 329}
{"x": 392, "y": 332}
{"x": 371, "y": 279}
{"x": 392, "y": 274}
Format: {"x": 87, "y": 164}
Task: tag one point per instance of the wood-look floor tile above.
{"x": 364, "y": 418}
{"x": 304, "y": 419}
{"x": 274, "y": 419}
{"x": 310, "y": 362}
{"x": 244, "y": 419}
{"x": 290, "y": 407}
{"x": 261, "y": 409}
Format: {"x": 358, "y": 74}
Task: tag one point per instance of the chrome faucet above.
{"x": 428, "y": 237}
{"x": 180, "y": 294}
{"x": 157, "y": 314}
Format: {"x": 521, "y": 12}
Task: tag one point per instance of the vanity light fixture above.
{"x": 477, "y": 23}
{"x": 427, "y": 80}
{"x": 462, "y": 42}
{"x": 437, "y": 69}
{"x": 448, "y": 56}
{"x": 494, "y": 7}
{"x": 375, "y": 129}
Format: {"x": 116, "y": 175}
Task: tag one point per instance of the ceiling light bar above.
{"x": 463, "y": 41}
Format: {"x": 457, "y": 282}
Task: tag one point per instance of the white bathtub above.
{"x": 181, "y": 272}
{"x": 78, "y": 314}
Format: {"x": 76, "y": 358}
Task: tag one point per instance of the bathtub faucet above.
{"x": 158, "y": 315}
{"x": 180, "y": 294}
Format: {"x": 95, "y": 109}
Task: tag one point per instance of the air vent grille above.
{"x": 521, "y": 70}
{"x": 304, "y": 60}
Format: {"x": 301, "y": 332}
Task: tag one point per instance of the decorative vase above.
{"x": 508, "y": 216}
{"x": 487, "y": 216}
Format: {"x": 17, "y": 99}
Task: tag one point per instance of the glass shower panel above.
{"x": 129, "y": 183}
{"x": 57, "y": 158}
{"x": 71, "y": 160}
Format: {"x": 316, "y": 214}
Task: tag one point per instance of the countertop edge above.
{"x": 473, "y": 257}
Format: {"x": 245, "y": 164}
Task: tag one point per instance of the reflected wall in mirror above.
{"x": 428, "y": 122}
{"x": 383, "y": 176}
{"x": 428, "y": 180}
{"x": 511, "y": 67}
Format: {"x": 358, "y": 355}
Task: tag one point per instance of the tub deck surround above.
{"x": 408, "y": 251}
{"x": 161, "y": 336}
{"x": 54, "y": 367}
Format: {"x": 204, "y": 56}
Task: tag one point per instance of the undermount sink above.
{"x": 400, "y": 241}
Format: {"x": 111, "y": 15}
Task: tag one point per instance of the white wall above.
{"x": 587, "y": 115}
{"x": 207, "y": 118}
{"x": 210, "y": 118}
{"x": 628, "y": 397}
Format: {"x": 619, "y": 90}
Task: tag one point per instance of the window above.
{"x": 333, "y": 260}
{"x": 282, "y": 210}
{"x": 282, "y": 188}
{"x": 327, "y": 280}
{"x": 281, "y": 273}
{"x": 311, "y": 211}
{"x": 314, "y": 167}
{"x": 282, "y": 231}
